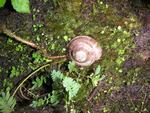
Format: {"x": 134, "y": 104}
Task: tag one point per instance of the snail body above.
{"x": 84, "y": 50}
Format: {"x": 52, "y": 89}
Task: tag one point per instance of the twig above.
{"x": 25, "y": 79}
{"x": 94, "y": 91}
{"x": 22, "y": 94}
{"x": 56, "y": 57}
{"x": 12, "y": 35}
{"x": 29, "y": 92}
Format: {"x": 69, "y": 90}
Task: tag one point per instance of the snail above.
{"x": 84, "y": 50}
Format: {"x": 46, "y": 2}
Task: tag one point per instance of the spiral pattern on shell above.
{"x": 84, "y": 50}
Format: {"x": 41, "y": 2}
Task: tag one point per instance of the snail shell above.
{"x": 84, "y": 50}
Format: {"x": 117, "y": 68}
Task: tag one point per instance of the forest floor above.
{"x": 118, "y": 83}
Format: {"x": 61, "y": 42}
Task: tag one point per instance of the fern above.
{"x": 97, "y": 76}
{"x": 71, "y": 86}
{"x": 72, "y": 67}
{"x": 38, "y": 82}
{"x": 7, "y": 103}
{"x": 55, "y": 98}
{"x": 68, "y": 83}
{"x": 57, "y": 76}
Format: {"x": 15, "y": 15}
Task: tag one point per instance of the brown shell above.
{"x": 84, "y": 50}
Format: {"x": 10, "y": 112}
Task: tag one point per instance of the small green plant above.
{"x": 57, "y": 76}
{"x": 7, "y": 103}
{"x": 52, "y": 99}
{"x": 38, "y": 82}
{"x": 72, "y": 67}
{"x": 37, "y": 26}
{"x": 97, "y": 76}
{"x": 14, "y": 72}
{"x": 71, "y": 86}
{"x": 21, "y": 6}
{"x": 19, "y": 48}
{"x": 41, "y": 101}
{"x": 37, "y": 57}
{"x": 60, "y": 82}
{"x": 2, "y": 3}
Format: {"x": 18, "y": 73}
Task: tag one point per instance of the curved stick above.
{"x": 29, "y": 77}
{"x": 22, "y": 94}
